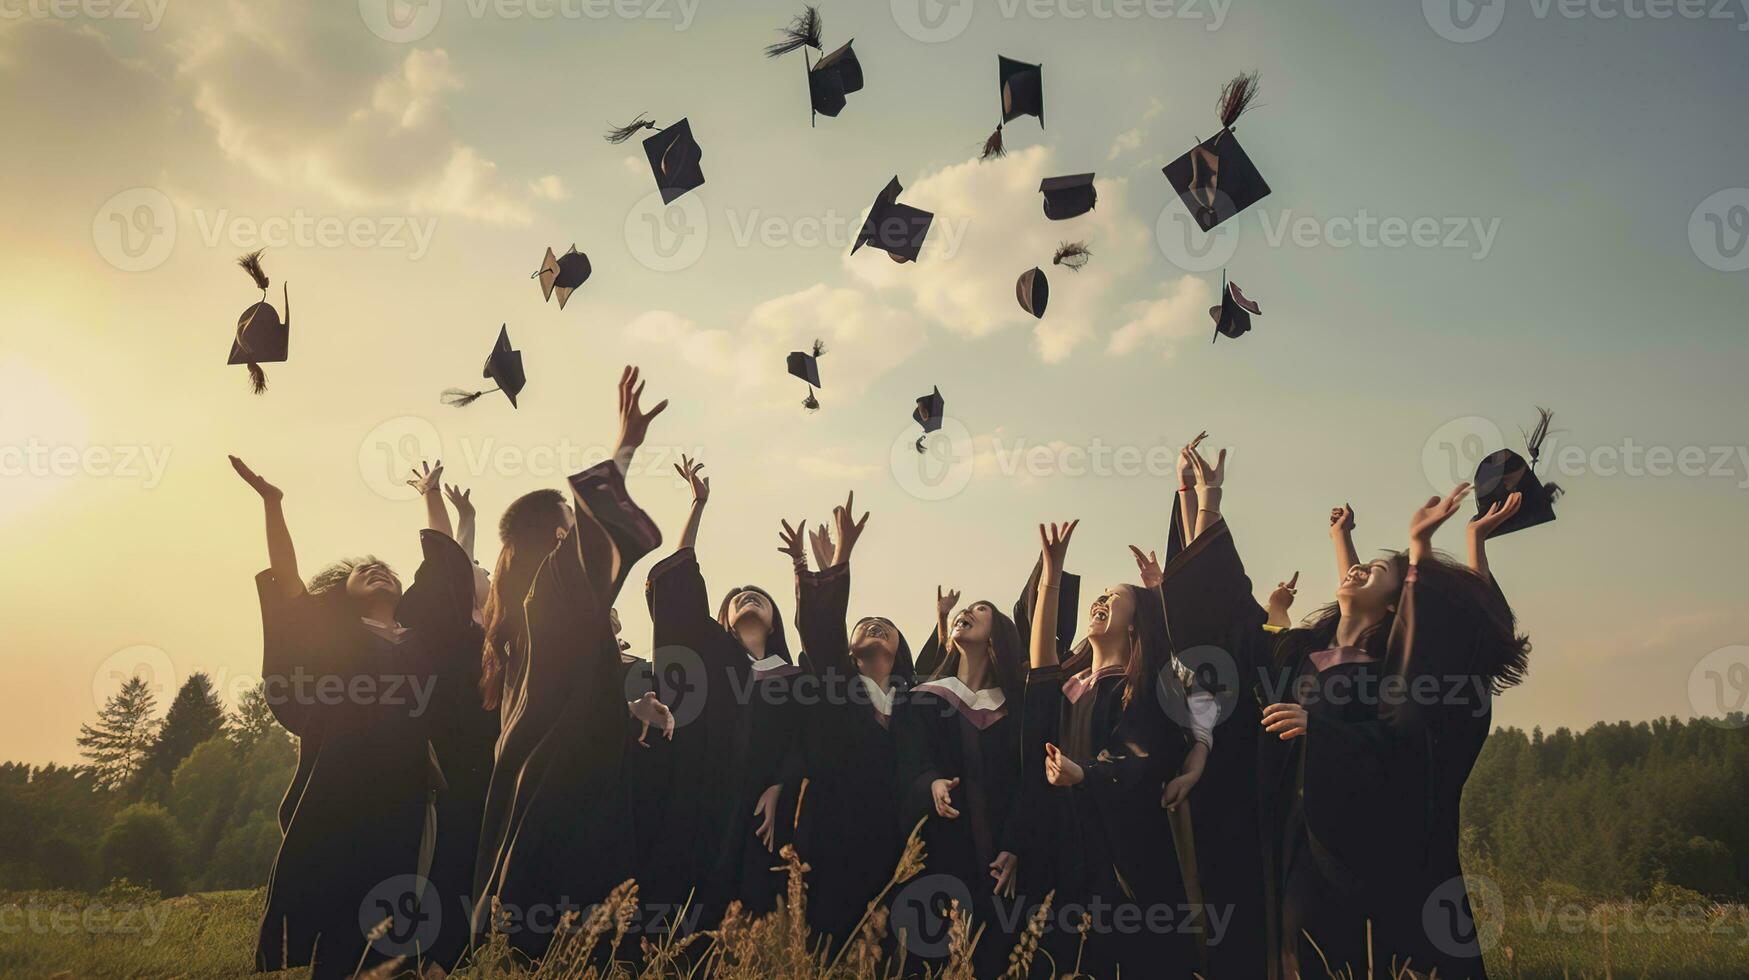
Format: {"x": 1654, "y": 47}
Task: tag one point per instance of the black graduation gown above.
{"x": 1108, "y": 850}
{"x": 355, "y": 814}
{"x": 939, "y": 736}
{"x": 557, "y": 832}
{"x": 847, "y": 826}
{"x": 734, "y": 735}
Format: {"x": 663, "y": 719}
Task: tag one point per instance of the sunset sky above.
{"x": 1477, "y": 209}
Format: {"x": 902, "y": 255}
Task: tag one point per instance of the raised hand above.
{"x": 1429, "y": 516}
{"x": 1149, "y": 566}
{"x": 1497, "y": 514}
{"x": 945, "y": 602}
{"x": 1054, "y": 544}
{"x": 1284, "y": 593}
{"x": 791, "y": 538}
{"x": 460, "y": 499}
{"x": 1208, "y": 477}
{"x": 428, "y": 481}
{"x": 689, "y": 469}
{"x": 1341, "y": 520}
{"x": 820, "y": 541}
{"x": 269, "y": 493}
{"x": 942, "y": 792}
{"x": 849, "y": 529}
{"x": 1186, "y": 468}
{"x": 634, "y": 423}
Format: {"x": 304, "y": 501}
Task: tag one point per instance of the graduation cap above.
{"x": 503, "y": 365}
{"x": 805, "y": 364}
{"x": 1033, "y": 291}
{"x": 1215, "y": 179}
{"x": 928, "y": 414}
{"x": 1068, "y": 197}
{"x": 261, "y": 337}
{"x": 563, "y": 274}
{"x": 1233, "y": 316}
{"x": 1503, "y": 473}
{"x": 674, "y": 155}
{"x": 894, "y": 228}
{"x": 1072, "y": 255}
{"x": 1023, "y": 94}
{"x": 832, "y": 77}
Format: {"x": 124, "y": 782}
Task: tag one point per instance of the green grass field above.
{"x": 211, "y": 935}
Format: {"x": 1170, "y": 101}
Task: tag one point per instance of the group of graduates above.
{"x": 1196, "y": 784}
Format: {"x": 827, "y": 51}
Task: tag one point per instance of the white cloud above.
{"x": 1126, "y": 141}
{"x": 1177, "y": 314}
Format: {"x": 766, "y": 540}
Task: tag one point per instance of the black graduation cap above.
{"x": 563, "y": 274}
{"x": 1068, "y": 197}
{"x": 894, "y": 228}
{"x": 1233, "y": 316}
{"x": 1023, "y": 94}
{"x": 1503, "y": 473}
{"x": 1216, "y": 179}
{"x": 503, "y": 365}
{"x": 674, "y": 155}
{"x": 805, "y": 364}
{"x": 1033, "y": 291}
{"x": 261, "y": 337}
{"x": 928, "y": 414}
{"x": 833, "y": 76}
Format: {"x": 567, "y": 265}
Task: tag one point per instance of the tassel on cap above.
{"x": 993, "y": 146}
{"x": 1236, "y": 97}
{"x": 803, "y": 32}
{"x": 619, "y": 134}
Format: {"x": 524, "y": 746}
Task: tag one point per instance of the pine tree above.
{"x": 194, "y": 716}
{"x": 253, "y": 721}
{"x": 122, "y": 740}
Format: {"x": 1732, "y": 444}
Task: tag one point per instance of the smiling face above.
{"x": 372, "y": 580}
{"x": 874, "y": 644}
{"x": 749, "y": 602}
{"x": 972, "y": 625}
{"x": 1112, "y": 613}
{"x": 1370, "y": 589}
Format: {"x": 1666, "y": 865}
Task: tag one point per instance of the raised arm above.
{"x": 1208, "y": 489}
{"x": 634, "y": 423}
{"x": 689, "y": 468}
{"x": 281, "y": 556}
{"x": 1281, "y": 600}
{"x": 461, "y": 500}
{"x": 1483, "y": 527}
{"x": 1054, "y": 545}
{"x": 1187, "y": 497}
{"x": 1342, "y": 537}
{"x": 428, "y": 483}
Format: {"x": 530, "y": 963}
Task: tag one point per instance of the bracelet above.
{"x": 1209, "y": 510}
{"x": 1050, "y": 588}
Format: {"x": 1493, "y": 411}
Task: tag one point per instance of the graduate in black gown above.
{"x": 1378, "y": 706}
{"x": 1120, "y": 736}
{"x": 350, "y": 666}
{"x": 960, "y": 765}
{"x": 557, "y": 835}
{"x": 727, "y": 679}
{"x": 848, "y": 827}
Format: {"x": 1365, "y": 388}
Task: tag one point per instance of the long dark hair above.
{"x": 1502, "y": 653}
{"x": 1009, "y": 664}
{"x": 1153, "y": 649}
{"x": 526, "y": 533}
{"x": 775, "y": 644}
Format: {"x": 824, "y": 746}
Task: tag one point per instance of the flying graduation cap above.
{"x": 1023, "y": 94}
{"x": 894, "y": 228}
{"x": 1503, "y": 473}
{"x": 674, "y": 155}
{"x": 1233, "y": 316}
{"x": 563, "y": 274}
{"x": 805, "y": 364}
{"x": 928, "y": 414}
{"x": 1068, "y": 197}
{"x": 261, "y": 337}
{"x": 503, "y": 365}
{"x": 1072, "y": 256}
{"x": 1215, "y": 179}
{"x": 1033, "y": 291}
{"x": 832, "y": 77}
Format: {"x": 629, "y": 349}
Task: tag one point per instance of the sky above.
{"x": 1477, "y": 209}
